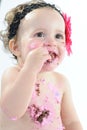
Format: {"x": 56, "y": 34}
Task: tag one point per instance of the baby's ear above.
{"x": 13, "y": 46}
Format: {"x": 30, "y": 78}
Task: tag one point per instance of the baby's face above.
{"x": 42, "y": 27}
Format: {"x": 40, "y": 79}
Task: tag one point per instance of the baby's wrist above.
{"x": 30, "y": 70}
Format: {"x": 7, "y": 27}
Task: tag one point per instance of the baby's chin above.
{"x": 50, "y": 66}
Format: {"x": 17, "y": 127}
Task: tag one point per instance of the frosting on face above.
{"x": 34, "y": 44}
{"x": 52, "y": 50}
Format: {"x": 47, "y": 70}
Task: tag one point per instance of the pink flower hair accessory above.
{"x": 68, "y": 33}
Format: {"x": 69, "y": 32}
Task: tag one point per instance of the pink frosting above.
{"x": 44, "y": 114}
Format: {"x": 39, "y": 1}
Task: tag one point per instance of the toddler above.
{"x": 33, "y": 96}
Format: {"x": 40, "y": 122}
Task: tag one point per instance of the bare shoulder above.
{"x": 62, "y": 79}
{"x": 10, "y": 73}
{"x": 8, "y": 77}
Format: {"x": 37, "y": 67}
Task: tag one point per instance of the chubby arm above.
{"x": 16, "y": 91}
{"x": 17, "y": 85}
{"x": 69, "y": 116}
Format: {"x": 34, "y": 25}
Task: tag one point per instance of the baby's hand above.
{"x": 36, "y": 58}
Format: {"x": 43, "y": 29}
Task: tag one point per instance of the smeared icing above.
{"x": 44, "y": 113}
{"x": 38, "y": 114}
{"x": 55, "y": 92}
{"x": 37, "y": 89}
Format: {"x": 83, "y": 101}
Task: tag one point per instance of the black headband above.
{"x": 20, "y": 15}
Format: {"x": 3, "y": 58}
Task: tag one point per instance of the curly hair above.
{"x": 14, "y": 16}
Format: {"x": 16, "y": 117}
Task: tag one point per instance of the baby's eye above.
{"x": 40, "y": 34}
{"x": 59, "y": 36}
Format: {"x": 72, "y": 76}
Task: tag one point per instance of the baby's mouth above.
{"x": 53, "y": 55}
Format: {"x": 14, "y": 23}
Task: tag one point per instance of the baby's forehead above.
{"x": 42, "y": 14}
{"x": 41, "y": 17}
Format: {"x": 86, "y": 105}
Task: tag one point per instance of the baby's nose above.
{"x": 49, "y": 44}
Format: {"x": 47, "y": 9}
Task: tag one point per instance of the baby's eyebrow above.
{"x": 60, "y": 31}
{"x": 40, "y": 30}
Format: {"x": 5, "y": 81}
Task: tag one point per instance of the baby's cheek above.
{"x": 33, "y": 45}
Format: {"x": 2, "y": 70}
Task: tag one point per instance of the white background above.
{"x": 74, "y": 67}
